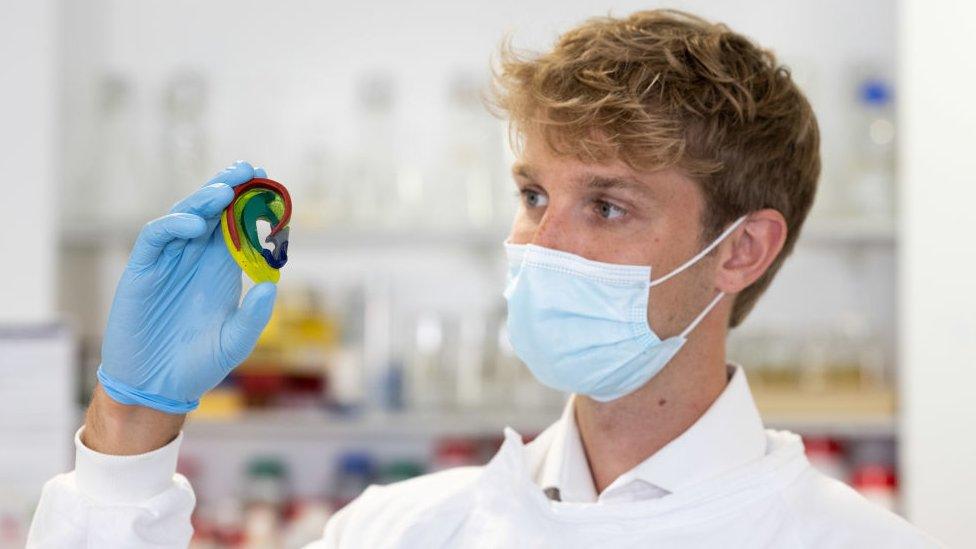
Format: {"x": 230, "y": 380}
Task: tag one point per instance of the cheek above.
{"x": 676, "y": 302}
{"x": 661, "y": 308}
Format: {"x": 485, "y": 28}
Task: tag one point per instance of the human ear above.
{"x": 750, "y": 250}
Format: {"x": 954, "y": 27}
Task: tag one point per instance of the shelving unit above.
{"x": 373, "y": 426}
{"x": 315, "y": 425}
{"x": 839, "y": 415}
{"x": 850, "y": 413}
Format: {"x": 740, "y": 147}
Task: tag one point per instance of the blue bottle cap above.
{"x": 875, "y": 92}
{"x": 356, "y": 463}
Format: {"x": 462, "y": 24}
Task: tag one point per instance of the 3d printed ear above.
{"x": 258, "y": 199}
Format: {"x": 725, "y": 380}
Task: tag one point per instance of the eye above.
{"x": 607, "y": 210}
{"x": 533, "y": 198}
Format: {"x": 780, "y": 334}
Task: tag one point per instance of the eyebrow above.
{"x": 523, "y": 170}
{"x": 593, "y": 181}
{"x": 604, "y": 182}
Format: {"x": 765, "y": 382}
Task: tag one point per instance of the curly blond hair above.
{"x": 666, "y": 89}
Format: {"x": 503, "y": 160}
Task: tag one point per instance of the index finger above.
{"x": 213, "y": 197}
{"x": 158, "y": 233}
{"x": 206, "y": 202}
{"x": 233, "y": 175}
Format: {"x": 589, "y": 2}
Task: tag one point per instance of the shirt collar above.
{"x": 729, "y": 434}
{"x": 565, "y": 466}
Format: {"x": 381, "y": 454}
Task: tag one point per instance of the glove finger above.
{"x": 240, "y": 332}
{"x": 174, "y": 248}
{"x": 193, "y": 247}
{"x": 208, "y": 247}
{"x": 156, "y": 234}
{"x": 259, "y": 172}
{"x": 233, "y": 175}
{"x": 207, "y": 202}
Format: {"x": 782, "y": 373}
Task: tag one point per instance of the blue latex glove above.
{"x": 175, "y": 329}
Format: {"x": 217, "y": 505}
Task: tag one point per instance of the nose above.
{"x": 558, "y": 230}
{"x": 550, "y": 231}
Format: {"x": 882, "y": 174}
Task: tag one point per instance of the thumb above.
{"x": 241, "y": 330}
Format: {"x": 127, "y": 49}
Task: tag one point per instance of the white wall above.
{"x": 938, "y": 261}
{"x": 29, "y": 157}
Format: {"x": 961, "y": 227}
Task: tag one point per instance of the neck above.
{"x": 620, "y": 434}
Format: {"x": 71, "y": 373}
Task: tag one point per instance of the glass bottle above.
{"x": 121, "y": 190}
{"x": 185, "y": 144}
{"x": 871, "y": 191}
{"x": 370, "y": 191}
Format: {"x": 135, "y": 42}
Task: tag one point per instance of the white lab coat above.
{"x": 778, "y": 501}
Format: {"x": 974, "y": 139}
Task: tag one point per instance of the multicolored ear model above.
{"x": 257, "y": 199}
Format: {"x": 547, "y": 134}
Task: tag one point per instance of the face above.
{"x": 612, "y": 214}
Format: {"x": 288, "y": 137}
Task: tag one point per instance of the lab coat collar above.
{"x": 563, "y": 463}
{"x": 507, "y": 483}
{"x": 728, "y": 435}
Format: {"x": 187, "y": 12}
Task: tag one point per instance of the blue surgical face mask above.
{"x": 581, "y": 325}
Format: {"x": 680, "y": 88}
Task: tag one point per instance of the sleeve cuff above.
{"x": 125, "y": 479}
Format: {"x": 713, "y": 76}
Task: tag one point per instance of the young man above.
{"x": 666, "y": 166}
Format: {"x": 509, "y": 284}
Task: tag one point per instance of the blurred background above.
{"x": 386, "y": 356}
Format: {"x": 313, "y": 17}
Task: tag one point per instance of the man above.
{"x": 666, "y": 166}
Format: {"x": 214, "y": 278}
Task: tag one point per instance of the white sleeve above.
{"x": 335, "y": 535}
{"x": 116, "y": 501}
{"x": 342, "y": 531}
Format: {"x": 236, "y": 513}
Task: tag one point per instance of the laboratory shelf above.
{"x": 315, "y": 425}
{"x": 407, "y": 237}
{"x": 866, "y": 412}
{"x": 310, "y": 424}
{"x": 838, "y": 401}
{"x": 837, "y": 426}
{"x": 108, "y": 235}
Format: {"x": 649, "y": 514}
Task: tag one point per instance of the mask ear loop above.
{"x": 701, "y": 316}
{"x": 702, "y": 253}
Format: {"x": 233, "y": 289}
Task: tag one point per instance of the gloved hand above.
{"x": 175, "y": 329}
